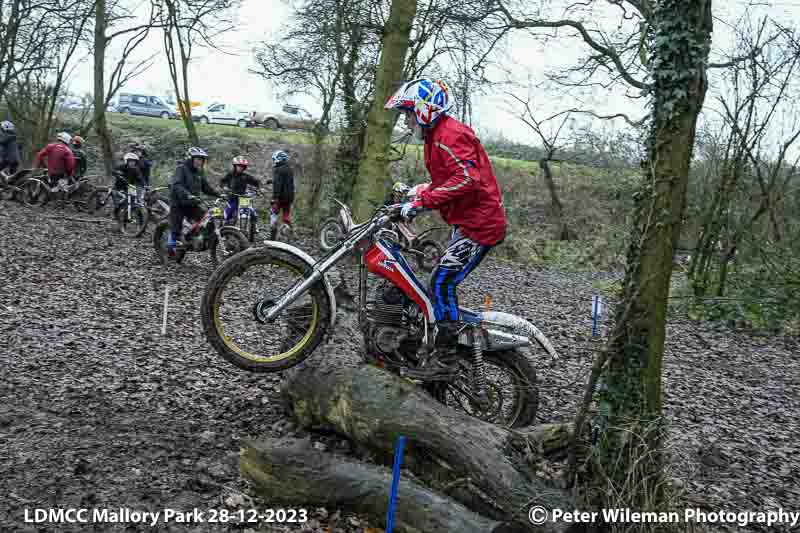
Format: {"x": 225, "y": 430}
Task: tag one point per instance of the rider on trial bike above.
{"x": 189, "y": 181}
{"x": 60, "y": 161}
{"x": 235, "y": 183}
{"x": 129, "y": 174}
{"x": 463, "y": 189}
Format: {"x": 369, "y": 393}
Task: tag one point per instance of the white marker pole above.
{"x": 164, "y": 323}
{"x": 597, "y": 310}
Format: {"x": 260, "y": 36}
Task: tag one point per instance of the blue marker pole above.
{"x": 595, "y": 313}
{"x": 398, "y": 460}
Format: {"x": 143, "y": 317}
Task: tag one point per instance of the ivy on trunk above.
{"x": 630, "y": 455}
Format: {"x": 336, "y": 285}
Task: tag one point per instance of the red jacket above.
{"x": 463, "y": 187}
{"x": 60, "y": 159}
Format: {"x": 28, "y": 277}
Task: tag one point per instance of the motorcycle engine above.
{"x": 394, "y": 322}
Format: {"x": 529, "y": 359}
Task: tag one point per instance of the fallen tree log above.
{"x": 373, "y": 407}
{"x": 291, "y": 470}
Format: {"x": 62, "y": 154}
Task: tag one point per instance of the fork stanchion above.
{"x": 398, "y": 459}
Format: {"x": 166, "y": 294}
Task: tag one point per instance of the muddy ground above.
{"x": 98, "y": 409}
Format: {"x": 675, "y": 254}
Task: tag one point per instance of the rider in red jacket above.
{"x": 60, "y": 159}
{"x": 463, "y": 189}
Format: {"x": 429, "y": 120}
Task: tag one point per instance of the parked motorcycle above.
{"x": 422, "y": 246}
{"x": 269, "y": 308}
{"x": 11, "y": 185}
{"x": 245, "y": 216}
{"x": 206, "y": 235}
{"x": 131, "y": 214}
{"x": 37, "y": 189}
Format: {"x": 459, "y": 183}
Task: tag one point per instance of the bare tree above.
{"x": 660, "y": 51}
{"x": 549, "y": 129}
{"x": 113, "y": 22}
{"x": 757, "y": 98}
{"x": 188, "y": 24}
{"x": 49, "y": 42}
{"x": 318, "y": 50}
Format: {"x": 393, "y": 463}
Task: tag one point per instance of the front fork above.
{"x": 317, "y": 273}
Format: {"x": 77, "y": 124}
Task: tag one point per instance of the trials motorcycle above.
{"x": 208, "y": 234}
{"x": 268, "y": 308}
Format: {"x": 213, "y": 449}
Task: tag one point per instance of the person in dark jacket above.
{"x": 9, "y": 149}
{"x": 189, "y": 181}
{"x": 128, "y": 173}
{"x": 463, "y": 190}
{"x": 145, "y": 164}
{"x": 282, "y": 191}
{"x": 235, "y": 184}
{"x": 80, "y": 157}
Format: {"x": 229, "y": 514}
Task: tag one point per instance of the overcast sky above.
{"x": 217, "y": 76}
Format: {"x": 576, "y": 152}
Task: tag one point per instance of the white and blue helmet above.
{"x": 279, "y": 156}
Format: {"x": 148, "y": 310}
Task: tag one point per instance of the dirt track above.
{"x": 99, "y": 410}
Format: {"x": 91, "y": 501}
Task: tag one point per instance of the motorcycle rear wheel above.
{"x": 525, "y": 401}
{"x": 229, "y": 293}
{"x": 219, "y": 248}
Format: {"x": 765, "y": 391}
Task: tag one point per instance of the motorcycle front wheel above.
{"x": 511, "y": 389}
{"x": 231, "y": 300}
{"x": 134, "y": 226}
{"x": 330, "y": 234}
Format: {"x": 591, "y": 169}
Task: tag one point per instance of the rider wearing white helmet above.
{"x": 60, "y": 160}
{"x": 282, "y": 191}
{"x": 10, "y": 155}
{"x": 129, "y": 173}
{"x": 188, "y": 181}
{"x": 463, "y": 189}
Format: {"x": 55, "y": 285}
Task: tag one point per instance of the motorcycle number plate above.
{"x": 244, "y": 202}
{"x": 62, "y": 183}
{"x": 216, "y": 212}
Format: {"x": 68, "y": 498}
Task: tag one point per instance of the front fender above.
{"x": 521, "y": 328}
{"x": 306, "y": 258}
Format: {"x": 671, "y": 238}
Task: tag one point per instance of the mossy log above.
{"x": 291, "y": 470}
{"x": 372, "y": 408}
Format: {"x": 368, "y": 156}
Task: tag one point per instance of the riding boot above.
{"x": 447, "y": 334}
{"x": 273, "y": 232}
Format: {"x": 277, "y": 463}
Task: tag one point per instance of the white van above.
{"x": 221, "y": 113}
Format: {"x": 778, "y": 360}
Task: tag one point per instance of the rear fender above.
{"x": 522, "y": 332}
{"x": 309, "y": 261}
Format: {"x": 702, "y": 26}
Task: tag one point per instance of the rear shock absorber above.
{"x": 478, "y": 368}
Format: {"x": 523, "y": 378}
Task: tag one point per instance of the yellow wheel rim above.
{"x": 230, "y": 344}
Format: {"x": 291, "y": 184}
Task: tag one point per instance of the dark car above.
{"x": 141, "y": 104}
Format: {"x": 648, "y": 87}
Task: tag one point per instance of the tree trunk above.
{"x": 630, "y": 451}
{"x": 317, "y": 174}
{"x": 350, "y": 143}
{"x": 182, "y": 95}
{"x": 373, "y": 407}
{"x": 292, "y": 471}
{"x": 563, "y": 233}
{"x": 374, "y": 164}
{"x": 187, "y": 115}
{"x": 100, "y": 125}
